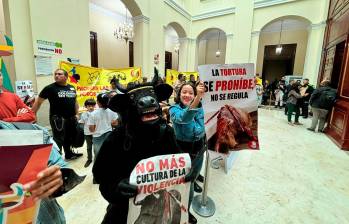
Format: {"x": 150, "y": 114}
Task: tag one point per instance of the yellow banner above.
{"x": 172, "y": 76}
{"x": 89, "y": 81}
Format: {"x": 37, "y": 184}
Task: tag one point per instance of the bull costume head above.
{"x": 139, "y": 106}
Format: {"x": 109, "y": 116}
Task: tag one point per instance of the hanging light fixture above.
{"x": 124, "y": 31}
{"x": 218, "y": 52}
{"x": 278, "y": 49}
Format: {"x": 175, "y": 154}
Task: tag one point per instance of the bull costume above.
{"x": 143, "y": 133}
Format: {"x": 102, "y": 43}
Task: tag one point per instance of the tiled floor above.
{"x": 297, "y": 177}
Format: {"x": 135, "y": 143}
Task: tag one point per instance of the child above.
{"x": 101, "y": 122}
{"x": 187, "y": 116}
{"x": 90, "y": 106}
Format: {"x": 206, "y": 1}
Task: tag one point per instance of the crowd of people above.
{"x": 186, "y": 117}
{"x": 296, "y": 98}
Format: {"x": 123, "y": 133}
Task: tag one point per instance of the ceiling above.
{"x": 115, "y": 6}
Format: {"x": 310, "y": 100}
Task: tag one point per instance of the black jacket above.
{"x": 115, "y": 163}
{"x": 315, "y": 99}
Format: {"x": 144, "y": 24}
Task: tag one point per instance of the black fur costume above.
{"x": 133, "y": 141}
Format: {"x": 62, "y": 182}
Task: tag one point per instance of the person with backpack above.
{"x": 321, "y": 101}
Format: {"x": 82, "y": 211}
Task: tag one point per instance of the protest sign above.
{"x": 230, "y": 105}
{"x": 172, "y": 76}
{"x": 162, "y": 192}
{"x": 20, "y": 165}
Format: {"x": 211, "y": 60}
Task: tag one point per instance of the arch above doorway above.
{"x": 178, "y": 28}
{"x": 132, "y": 7}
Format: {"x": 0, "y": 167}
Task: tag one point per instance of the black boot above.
{"x": 192, "y": 219}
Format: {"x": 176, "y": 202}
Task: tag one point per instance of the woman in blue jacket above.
{"x": 187, "y": 117}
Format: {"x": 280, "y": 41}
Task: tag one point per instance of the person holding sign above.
{"x": 12, "y": 108}
{"x": 187, "y": 116}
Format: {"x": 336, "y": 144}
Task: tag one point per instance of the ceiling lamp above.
{"x": 278, "y": 49}
{"x": 218, "y": 52}
{"x": 124, "y": 31}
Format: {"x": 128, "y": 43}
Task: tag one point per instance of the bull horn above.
{"x": 120, "y": 87}
{"x": 155, "y": 79}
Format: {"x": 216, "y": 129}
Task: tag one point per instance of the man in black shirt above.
{"x": 307, "y": 91}
{"x": 63, "y": 111}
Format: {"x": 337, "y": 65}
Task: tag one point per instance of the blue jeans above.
{"x": 97, "y": 143}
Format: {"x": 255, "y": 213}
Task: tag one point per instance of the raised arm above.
{"x": 37, "y": 104}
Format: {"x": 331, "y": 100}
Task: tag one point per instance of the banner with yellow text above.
{"x": 89, "y": 81}
{"x": 172, "y": 75}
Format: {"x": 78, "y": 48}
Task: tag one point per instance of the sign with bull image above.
{"x": 230, "y": 105}
{"x": 162, "y": 192}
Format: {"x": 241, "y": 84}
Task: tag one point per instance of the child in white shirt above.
{"x": 90, "y": 106}
{"x": 101, "y": 122}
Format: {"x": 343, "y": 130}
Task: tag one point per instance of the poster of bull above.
{"x": 20, "y": 165}
{"x": 162, "y": 192}
{"x": 231, "y": 108}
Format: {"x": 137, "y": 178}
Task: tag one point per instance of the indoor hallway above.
{"x": 298, "y": 176}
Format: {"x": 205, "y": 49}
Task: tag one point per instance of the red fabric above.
{"x": 9, "y": 105}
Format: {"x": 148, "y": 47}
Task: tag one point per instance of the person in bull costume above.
{"x": 143, "y": 133}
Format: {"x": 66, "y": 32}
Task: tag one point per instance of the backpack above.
{"x": 327, "y": 98}
{"x": 79, "y": 138}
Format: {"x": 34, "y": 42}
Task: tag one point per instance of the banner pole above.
{"x": 202, "y": 204}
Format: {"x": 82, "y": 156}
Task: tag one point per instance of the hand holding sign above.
{"x": 126, "y": 189}
{"x": 200, "y": 89}
{"x": 47, "y": 182}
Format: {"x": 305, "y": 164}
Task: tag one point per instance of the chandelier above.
{"x": 124, "y": 31}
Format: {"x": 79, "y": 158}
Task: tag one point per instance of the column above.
{"x": 313, "y": 54}
{"x": 188, "y": 54}
{"x": 229, "y": 52}
{"x": 254, "y": 48}
{"x": 141, "y": 50}
{"x": 242, "y": 31}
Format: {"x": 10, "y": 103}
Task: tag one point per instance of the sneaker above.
{"x": 310, "y": 129}
{"x": 321, "y": 131}
{"x": 297, "y": 123}
{"x": 77, "y": 154}
{"x": 192, "y": 219}
{"x": 197, "y": 188}
{"x": 88, "y": 162}
{"x": 290, "y": 123}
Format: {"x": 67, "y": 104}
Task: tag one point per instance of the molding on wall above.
{"x": 318, "y": 25}
{"x": 178, "y": 8}
{"x": 285, "y": 29}
{"x": 267, "y": 3}
{"x": 255, "y": 33}
{"x": 215, "y": 13}
{"x": 141, "y": 19}
{"x": 182, "y": 39}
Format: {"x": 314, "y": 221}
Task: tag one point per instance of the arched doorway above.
{"x": 211, "y": 46}
{"x": 282, "y": 47}
{"x": 106, "y": 18}
{"x": 174, "y": 32}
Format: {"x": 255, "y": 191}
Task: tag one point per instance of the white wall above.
{"x": 112, "y": 52}
{"x": 299, "y": 37}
